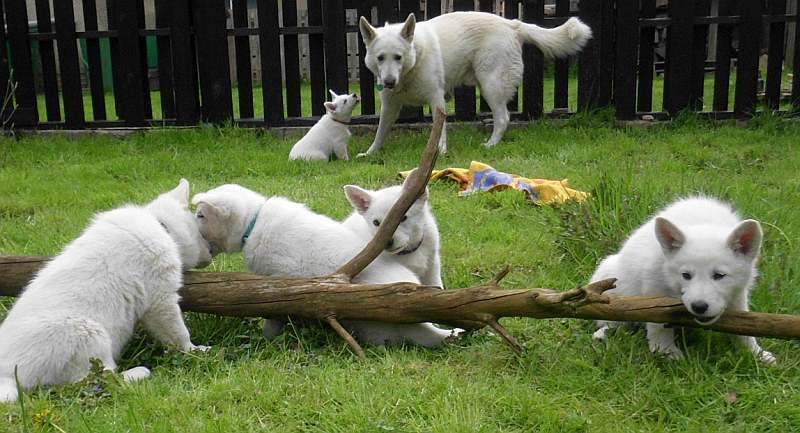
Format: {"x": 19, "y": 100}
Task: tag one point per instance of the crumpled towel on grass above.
{"x": 482, "y": 177}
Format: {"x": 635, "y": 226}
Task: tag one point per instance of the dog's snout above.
{"x": 389, "y": 82}
{"x": 699, "y": 307}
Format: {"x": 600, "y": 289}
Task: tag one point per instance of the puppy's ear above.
{"x": 333, "y": 94}
{"x": 360, "y": 198}
{"x": 209, "y": 206}
{"x": 367, "y": 31}
{"x": 669, "y": 236}
{"x": 745, "y": 239}
{"x": 407, "y": 32}
{"x": 181, "y": 193}
{"x": 330, "y": 106}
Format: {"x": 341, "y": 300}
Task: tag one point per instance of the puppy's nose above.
{"x": 389, "y": 82}
{"x": 699, "y": 307}
{"x": 389, "y": 244}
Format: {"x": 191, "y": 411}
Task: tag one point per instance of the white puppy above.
{"x": 697, "y": 249}
{"x": 421, "y": 63}
{"x": 415, "y": 243}
{"x": 127, "y": 266}
{"x": 282, "y": 238}
{"x": 331, "y": 134}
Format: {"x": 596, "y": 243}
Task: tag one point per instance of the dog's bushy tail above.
{"x": 562, "y": 41}
{"x": 8, "y": 390}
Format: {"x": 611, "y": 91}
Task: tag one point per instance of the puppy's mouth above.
{"x": 706, "y": 321}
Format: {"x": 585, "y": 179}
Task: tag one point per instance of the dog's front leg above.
{"x": 662, "y": 340}
{"x": 437, "y": 103}
{"x": 750, "y": 342}
{"x": 164, "y": 322}
{"x": 390, "y": 111}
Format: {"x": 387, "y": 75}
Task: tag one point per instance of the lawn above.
{"x": 308, "y": 381}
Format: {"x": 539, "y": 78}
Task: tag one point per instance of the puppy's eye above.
{"x": 376, "y": 223}
{"x": 404, "y": 218}
{"x": 398, "y": 57}
{"x": 718, "y": 276}
{"x": 200, "y": 216}
{"x": 686, "y": 276}
{"x": 381, "y": 57}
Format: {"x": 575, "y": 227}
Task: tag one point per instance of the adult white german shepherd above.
{"x": 415, "y": 64}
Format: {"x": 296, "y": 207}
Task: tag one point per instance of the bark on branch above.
{"x": 241, "y": 294}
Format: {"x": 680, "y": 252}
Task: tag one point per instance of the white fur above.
{"x": 331, "y": 134}
{"x": 421, "y": 63}
{"x": 418, "y": 230}
{"x": 125, "y": 267}
{"x": 288, "y": 239}
{"x": 698, "y": 250}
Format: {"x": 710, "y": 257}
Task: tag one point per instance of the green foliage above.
{"x": 307, "y": 380}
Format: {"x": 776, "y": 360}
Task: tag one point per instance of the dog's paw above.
{"x": 135, "y": 373}
{"x": 362, "y": 155}
{"x": 455, "y": 334}
{"x": 767, "y": 357}
{"x": 600, "y": 334}
{"x": 201, "y": 348}
{"x": 670, "y": 352}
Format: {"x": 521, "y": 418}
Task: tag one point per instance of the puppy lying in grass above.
{"x": 127, "y": 266}
{"x": 282, "y": 238}
{"x": 331, "y": 134}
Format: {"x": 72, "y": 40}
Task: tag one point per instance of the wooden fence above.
{"x": 617, "y": 68}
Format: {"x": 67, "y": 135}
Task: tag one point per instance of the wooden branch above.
{"x": 240, "y": 294}
{"x": 414, "y": 187}
{"x": 345, "y": 336}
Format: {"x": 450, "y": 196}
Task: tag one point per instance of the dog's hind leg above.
{"x": 497, "y": 91}
{"x": 602, "y": 328}
{"x": 390, "y": 111}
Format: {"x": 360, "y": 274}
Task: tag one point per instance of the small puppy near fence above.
{"x": 331, "y": 134}
{"x": 415, "y": 243}
{"x": 282, "y": 238}
{"x": 698, "y": 250}
{"x": 126, "y": 266}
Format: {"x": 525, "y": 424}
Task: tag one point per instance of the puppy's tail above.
{"x": 8, "y": 390}
{"x": 562, "y": 41}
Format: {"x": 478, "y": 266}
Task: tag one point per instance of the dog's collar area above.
{"x": 339, "y": 121}
{"x": 404, "y": 252}
{"x": 250, "y": 226}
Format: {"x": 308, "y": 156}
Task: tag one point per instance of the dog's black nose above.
{"x": 389, "y": 244}
{"x": 699, "y": 307}
{"x": 389, "y": 82}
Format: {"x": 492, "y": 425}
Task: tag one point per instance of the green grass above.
{"x": 307, "y": 380}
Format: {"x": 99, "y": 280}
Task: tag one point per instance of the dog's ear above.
{"x": 407, "y": 32}
{"x": 208, "y": 205}
{"x": 745, "y": 239}
{"x": 333, "y": 94}
{"x": 669, "y": 236}
{"x": 181, "y": 193}
{"x": 360, "y": 198}
{"x": 330, "y": 106}
{"x": 367, "y": 31}
{"x": 424, "y": 195}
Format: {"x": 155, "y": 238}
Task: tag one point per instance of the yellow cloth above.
{"x": 482, "y": 177}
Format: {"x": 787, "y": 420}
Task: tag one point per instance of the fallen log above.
{"x": 248, "y": 295}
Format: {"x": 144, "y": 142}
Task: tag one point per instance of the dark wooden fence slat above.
{"x": 163, "y": 11}
{"x": 184, "y": 69}
{"x": 775, "y": 55}
{"x": 335, "y": 46}
{"x": 433, "y": 8}
{"x": 144, "y": 85}
{"x": 532, "y": 58}
{"x": 291, "y": 60}
{"x": 132, "y": 109}
{"x": 316, "y": 59}
{"x": 485, "y": 6}
{"x": 607, "y": 54}
{"x": 511, "y": 12}
{"x": 95, "y": 62}
{"x": 722, "y": 70}
{"x": 465, "y": 95}
{"x": 68, "y": 64}
{"x": 6, "y": 96}
{"x": 589, "y": 58}
{"x": 212, "y": 60}
{"x": 407, "y": 7}
{"x": 25, "y": 111}
{"x": 702, "y": 8}
{"x": 627, "y": 33}
{"x": 644, "y": 100}
{"x": 796, "y": 66}
{"x": 561, "y": 73}
{"x": 747, "y": 64}
{"x": 244, "y": 79}
{"x": 677, "y": 70}
{"x": 120, "y": 100}
{"x": 366, "y": 80}
{"x": 269, "y": 40}
{"x": 47, "y": 56}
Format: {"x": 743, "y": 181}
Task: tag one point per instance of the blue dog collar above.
{"x": 250, "y": 226}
